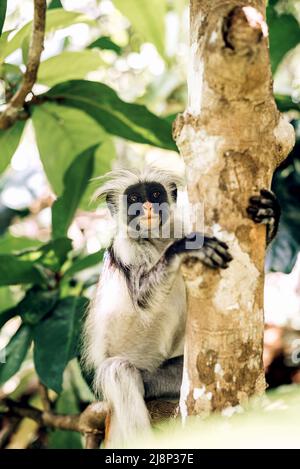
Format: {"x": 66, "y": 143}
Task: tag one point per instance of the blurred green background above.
{"x": 111, "y": 80}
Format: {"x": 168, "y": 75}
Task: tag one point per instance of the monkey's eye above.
{"x": 156, "y": 194}
{"x": 133, "y": 198}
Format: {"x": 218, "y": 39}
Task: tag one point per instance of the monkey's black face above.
{"x": 147, "y": 206}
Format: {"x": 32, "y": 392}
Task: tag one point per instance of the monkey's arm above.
{"x": 160, "y": 277}
{"x": 265, "y": 209}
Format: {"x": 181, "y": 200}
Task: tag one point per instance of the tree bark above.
{"x": 11, "y": 113}
{"x": 231, "y": 137}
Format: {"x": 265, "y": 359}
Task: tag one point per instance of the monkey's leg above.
{"x": 122, "y": 387}
{"x": 265, "y": 209}
{"x": 165, "y": 382}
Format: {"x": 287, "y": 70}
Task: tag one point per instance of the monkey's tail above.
{"x": 122, "y": 387}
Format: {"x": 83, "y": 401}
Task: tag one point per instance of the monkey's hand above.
{"x": 210, "y": 251}
{"x": 265, "y": 209}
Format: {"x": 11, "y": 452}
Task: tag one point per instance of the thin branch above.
{"x": 9, "y": 428}
{"x": 15, "y": 105}
{"x": 45, "y": 397}
{"x": 91, "y": 422}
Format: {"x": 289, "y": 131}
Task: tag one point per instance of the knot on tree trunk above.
{"x": 243, "y": 28}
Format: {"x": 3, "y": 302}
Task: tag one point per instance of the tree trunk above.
{"x": 231, "y": 137}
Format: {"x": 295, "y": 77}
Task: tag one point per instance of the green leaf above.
{"x": 9, "y": 141}
{"x": 104, "y": 42}
{"x": 68, "y": 65}
{"x": 15, "y": 352}
{"x": 3, "y": 44}
{"x": 3, "y": 5}
{"x": 104, "y": 155}
{"x": 285, "y": 103}
{"x": 11, "y": 73}
{"x": 62, "y": 133}
{"x": 68, "y": 403}
{"x": 6, "y": 315}
{"x": 36, "y": 304}
{"x": 54, "y": 253}
{"x": 284, "y": 35}
{"x": 55, "y": 4}
{"x": 56, "y": 340}
{"x": 75, "y": 183}
{"x": 57, "y": 18}
{"x": 14, "y": 271}
{"x": 84, "y": 263}
{"x": 127, "y": 120}
{"x": 15, "y": 244}
{"x": 8, "y": 299}
{"x": 147, "y": 19}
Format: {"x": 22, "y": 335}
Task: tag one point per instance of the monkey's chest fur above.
{"x": 145, "y": 337}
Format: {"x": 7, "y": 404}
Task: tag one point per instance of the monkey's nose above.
{"x": 147, "y": 206}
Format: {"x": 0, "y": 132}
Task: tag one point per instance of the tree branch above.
{"x": 11, "y": 113}
{"x": 91, "y": 422}
{"x": 45, "y": 397}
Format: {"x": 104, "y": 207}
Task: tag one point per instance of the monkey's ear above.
{"x": 174, "y": 191}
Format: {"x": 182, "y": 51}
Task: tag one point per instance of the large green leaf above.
{"x": 84, "y": 263}
{"x": 6, "y": 315}
{"x": 56, "y": 340}
{"x": 9, "y": 141}
{"x": 54, "y": 253}
{"x": 33, "y": 307}
{"x": 104, "y": 155}
{"x": 67, "y": 66}
{"x": 57, "y": 18}
{"x": 62, "y": 133}
{"x": 15, "y": 244}
{"x": 15, "y": 352}
{"x": 75, "y": 183}
{"x": 284, "y": 33}
{"x": 127, "y": 120}
{"x": 8, "y": 299}
{"x": 147, "y": 18}
{"x": 3, "y": 5}
{"x": 14, "y": 271}
{"x": 36, "y": 304}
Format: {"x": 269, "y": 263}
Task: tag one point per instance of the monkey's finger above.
{"x": 215, "y": 242}
{"x": 261, "y": 201}
{"x": 252, "y": 210}
{"x": 221, "y": 249}
{"x": 216, "y": 257}
{"x": 225, "y": 254}
{"x": 213, "y": 265}
{"x": 268, "y": 194}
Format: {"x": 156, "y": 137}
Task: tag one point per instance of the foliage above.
{"x": 3, "y": 6}
{"x": 78, "y": 124}
{"x": 284, "y": 34}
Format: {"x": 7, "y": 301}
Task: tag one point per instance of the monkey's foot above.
{"x": 265, "y": 209}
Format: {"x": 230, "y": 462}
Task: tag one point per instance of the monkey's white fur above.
{"x": 121, "y": 338}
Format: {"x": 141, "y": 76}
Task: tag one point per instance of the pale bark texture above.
{"x": 231, "y": 137}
